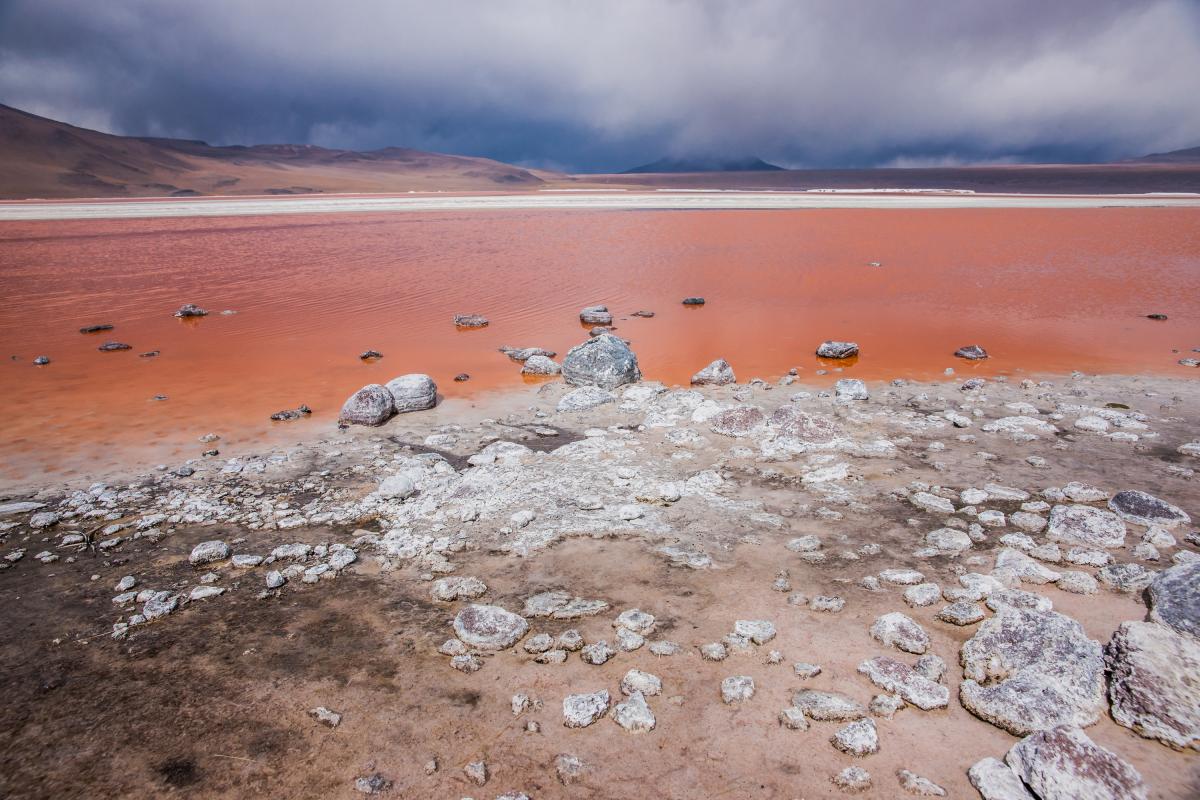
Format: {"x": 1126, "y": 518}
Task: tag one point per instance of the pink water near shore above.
{"x": 1042, "y": 290}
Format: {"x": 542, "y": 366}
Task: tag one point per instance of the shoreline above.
{"x": 662, "y": 200}
{"x": 700, "y": 507}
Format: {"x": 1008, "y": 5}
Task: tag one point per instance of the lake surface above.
{"x": 1044, "y": 290}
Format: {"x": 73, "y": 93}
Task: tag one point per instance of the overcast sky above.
{"x": 608, "y": 84}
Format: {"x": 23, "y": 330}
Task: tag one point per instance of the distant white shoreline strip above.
{"x": 596, "y": 201}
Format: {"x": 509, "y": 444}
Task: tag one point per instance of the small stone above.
{"x": 931, "y": 666}
{"x": 539, "y": 643}
{"x": 718, "y": 373}
{"x": 635, "y": 620}
{"x": 923, "y": 594}
{"x": 805, "y": 670}
{"x": 899, "y": 630}
{"x": 597, "y": 653}
{"x": 326, "y": 717}
{"x": 915, "y": 784}
{"x": 581, "y": 710}
{"x": 886, "y": 705}
{"x": 825, "y": 706}
{"x": 634, "y": 715}
{"x": 893, "y": 676}
{"x": 793, "y": 718}
{"x": 372, "y": 784}
{"x": 737, "y": 688}
{"x": 859, "y": 738}
{"x": 758, "y": 631}
{"x": 477, "y": 772}
{"x": 207, "y": 552}
{"x": 489, "y": 627}
{"x": 568, "y": 768}
{"x": 713, "y": 651}
{"x": 853, "y": 780}
{"x": 961, "y": 613}
{"x": 827, "y": 604}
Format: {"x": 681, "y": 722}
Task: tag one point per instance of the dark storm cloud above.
{"x": 604, "y": 85}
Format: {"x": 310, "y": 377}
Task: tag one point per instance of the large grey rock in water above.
{"x": 1028, "y": 670}
{"x": 718, "y": 373}
{"x": 489, "y": 627}
{"x": 595, "y": 315}
{"x": 1154, "y": 683}
{"x": 1175, "y": 599}
{"x": 1085, "y": 525}
{"x": 1064, "y": 764}
{"x": 415, "y": 392}
{"x": 604, "y": 361}
{"x": 370, "y": 405}
{"x": 1146, "y": 509}
{"x": 837, "y": 349}
{"x": 540, "y": 365}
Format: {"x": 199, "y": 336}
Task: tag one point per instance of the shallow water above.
{"x": 1042, "y": 290}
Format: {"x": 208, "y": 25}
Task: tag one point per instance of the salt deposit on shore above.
{"x": 596, "y": 201}
{"x": 420, "y": 605}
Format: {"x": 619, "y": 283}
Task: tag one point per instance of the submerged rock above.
{"x": 604, "y": 361}
{"x": 370, "y": 405}
{"x": 595, "y": 315}
{"x": 190, "y": 310}
{"x": 1154, "y": 683}
{"x": 470, "y": 321}
{"x": 413, "y": 392}
{"x": 718, "y": 373}
{"x": 109, "y": 347}
{"x": 837, "y": 350}
{"x": 96, "y": 328}
{"x": 693, "y": 301}
{"x": 1028, "y": 670}
{"x": 971, "y": 352}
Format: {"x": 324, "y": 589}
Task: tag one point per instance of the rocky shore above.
{"x": 622, "y": 589}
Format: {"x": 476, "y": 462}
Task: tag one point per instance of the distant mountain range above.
{"x": 677, "y": 165}
{"x": 1190, "y": 155}
{"x": 40, "y": 157}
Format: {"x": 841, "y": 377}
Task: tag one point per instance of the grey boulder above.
{"x": 604, "y": 361}
{"x": 414, "y": 392}
{"x": 1028, "y": 670}
{"x": 837, "y": 349}
{"x": 370, "y": 405}
{"x": 1175, "y": 599}
{"x": 972, "y": 352}
{"x": 1154, "y": 683}
{"x": 718, "y": 373}
{"x": 540, "y": 365}
{"x": 1146, "y": 509}
{"x": 1064, "y": 764}
{"x": 1085, "y": 525}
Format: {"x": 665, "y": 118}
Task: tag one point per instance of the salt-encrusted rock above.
{"x": 457, "y": 588}
{"x": 207, "y": 552}
{"x": 635, "y": 619}
{"x": 961, "y": 613}
{"x": 526, "y": 353}
{"x": 540, "y": 365}
{"x": 1077, "y": 583}
{"x": 370, "y": 405}
{"x": 247, "y": 560}
{"x": 556, "y": 656}
{"x": 1146, "y": 509}
{"x": 972, "y": 352}
{"x": 804, "y": 669}
{"x": 538, "y": 643}
{"x": 1085, "y": 525}
{"x": 827, "y": 604}
{"x": 1026, "y": 521}
{"x": 931, "y": 667}
{"x": 900, "y": 630}
{"x": 20, "y": 507}
{"x": 893, "y": 676}
{"x": 1029, "y": 670}
{"x": 396, "y": 487}
{"x": 793, "y": 718}
{"x": 43, "y": 519}
{"x": 205, "y": 592}
{"x": 413, "y": 392}
{"x": 664, "y": 648}
{"x": 738, "y": 421}
{"x": 372, "y": 784}
{"x": 275, "y": 579}
{"x": 1154, "y": 683}
{"x": 737, "y": 688}
{"x": 597, "y": 653}
{"x": 637, "y": 681}
{"x": 995, "y": 780}
{"x": 886, "y": 705}
{"x": 832, "y": 349}
{"x": 581, "y": 710}
{"x": 1175, "y": 599}
{"x": 604, "y": 361}
{"x": 1064, "y": 764}
{"x": 1092, "y": 424}
{"x": 1024, "y": 567}
{"x": 859, "y": 738}
{"x": 634, "y": 714}
{"x": 714, "y": 651}
{"x": 902, "y": 577}
{"x": 489, "y": 627}
{"x": 804, "y": 544}
{"x": 1018, "y": 598}
{"x": 1126, "y": 577}
{"x": 923, "y": 594}
{"x": 628, "y": 641}
{"x": 326, "y": 717}
{"x": 852, "y": 780}
{"x": 931, "y": 502}
{"x": 160, "y": 604}
{"x": 584, "y": 398}
{"x": 595, "y": 315}
{"x": 849, "y": 389}
{"x": 718, "y": 373}
{"x": 913, "y": 783}
{"x": 759, "y": 631}
{"x": 948, "y": 540}
{"x": 835, "y": 706}
{"x": 568, "y": 768}
{"x": 1019, "y": 425}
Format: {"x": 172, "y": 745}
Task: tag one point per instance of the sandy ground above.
{"x": 212, "y": 701}
{"x": 592, "y": 201}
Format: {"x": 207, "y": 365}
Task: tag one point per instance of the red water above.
{"x": 1042, "y": 290}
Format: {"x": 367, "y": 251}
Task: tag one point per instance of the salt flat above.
{"x": 589, "y": 201}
